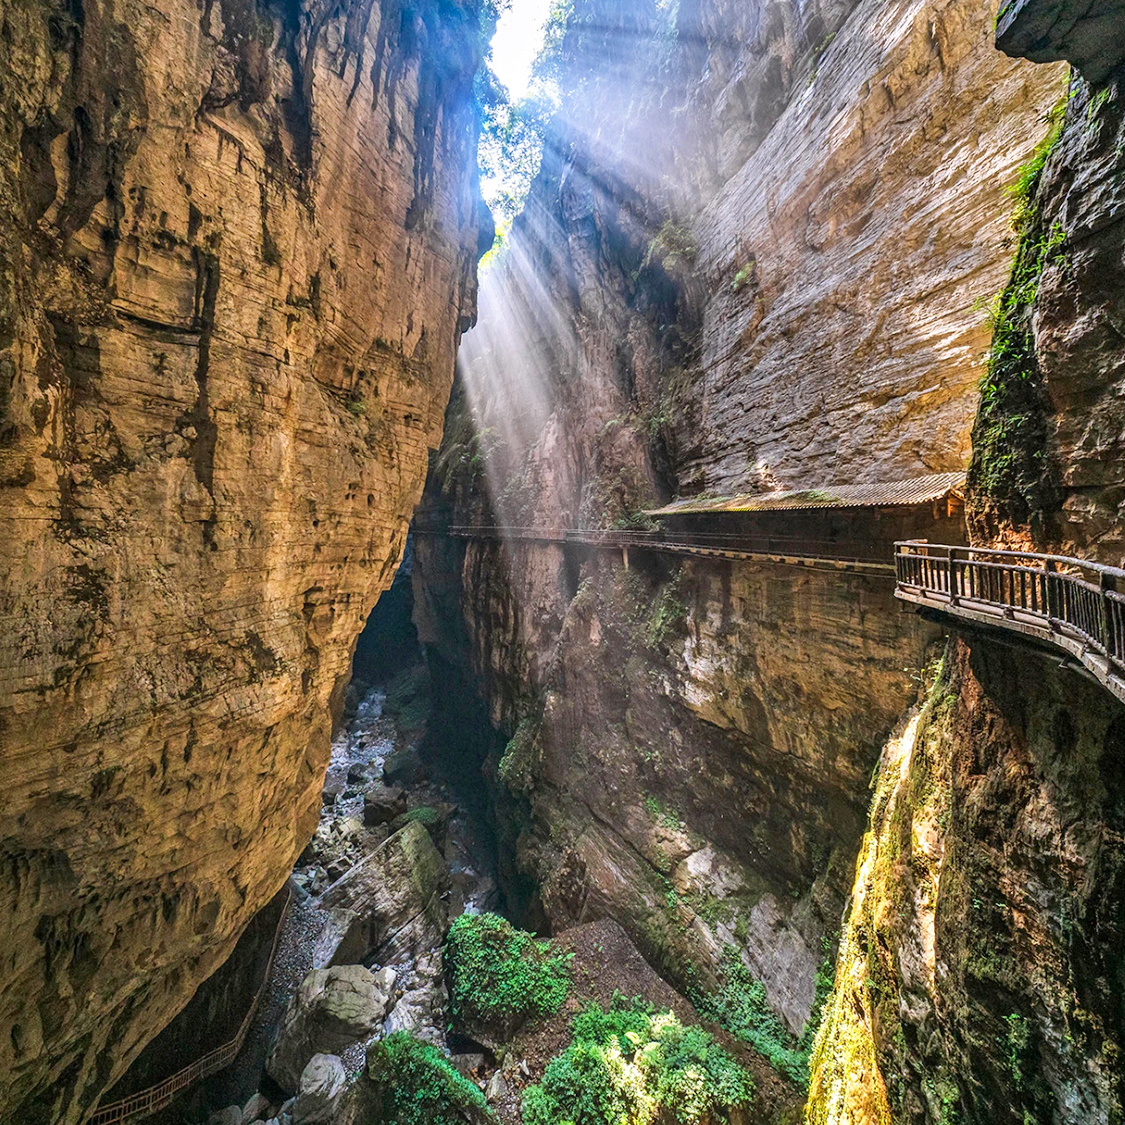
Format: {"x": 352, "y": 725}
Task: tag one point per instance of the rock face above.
{"x": 762, "y": 276}
{"x": 979, "y": 972}
{"x": 1067, "y": 312}
{"x": 237, "y": 249}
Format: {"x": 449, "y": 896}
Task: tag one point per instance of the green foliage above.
{"x": 740, "y": 1005}
{"x": 1009, "y": 461}
{"x": 517, "y": 763}
{"x": 425, "y": 815}
{"x": 745, "y": 275}
{"x": 420, "y": 1086}
{"x": 357, "y": 407}
{"x": 501, "y": 976}
{"x": 632, "y": 1065}
{"x": 667, "y": 616}
{"x": 674, "y": 247}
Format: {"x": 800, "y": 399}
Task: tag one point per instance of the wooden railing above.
{"x": 156, "y": 1097}
{"x": 1078, "y": 606}
{"x": 744, "y": 546}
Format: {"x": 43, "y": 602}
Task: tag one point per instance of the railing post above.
{"x": 1052, "y": 592}
{"x": 953, "y": 596}
{"x": 1105, "y": 584}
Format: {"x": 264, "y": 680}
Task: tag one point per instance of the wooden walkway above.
{"x": 791, "y": 550}
{"x": 1075, "y": 605}
{"x": 155, "y": 1098}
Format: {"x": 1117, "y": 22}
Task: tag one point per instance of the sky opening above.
{"x": 517, "y": 42}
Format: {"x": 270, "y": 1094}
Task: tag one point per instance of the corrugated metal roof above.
{"x": 918, "y": 490}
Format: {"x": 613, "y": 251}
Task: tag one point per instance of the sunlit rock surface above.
{"x": 238, "y": 248}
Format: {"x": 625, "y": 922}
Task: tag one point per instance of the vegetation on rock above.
{"x": 500, "y": 976}
{"x": 1009, "y": 464}
{"x": 742, "y": 1007}
{"x": 420, "y": 1086}
{"x": 633, "y": 1065}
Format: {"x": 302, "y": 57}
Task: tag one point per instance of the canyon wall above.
{"x": 979, "y": 976}
{"x": 238, "y": 250}
{"x": 752, "y": 259}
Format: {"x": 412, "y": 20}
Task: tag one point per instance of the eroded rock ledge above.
{"x": 237, "y": 250}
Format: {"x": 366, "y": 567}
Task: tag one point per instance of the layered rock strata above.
{"x": 237, "y": 251}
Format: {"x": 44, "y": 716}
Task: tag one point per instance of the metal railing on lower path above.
{"x": 147, "y": 1102}
{"x": 1078, "y": 606}
{"x": 873, "y": 555}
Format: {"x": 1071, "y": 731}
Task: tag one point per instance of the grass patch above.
{"x": 420, "y": 1086}
{"x": 632, "y": 1065}
{"x": 500, "y": 976}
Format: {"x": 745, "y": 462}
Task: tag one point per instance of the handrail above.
{"x": 155, "y": 1098}
{"x": 1074, "y": 604}
{"x": 703, "y": 543}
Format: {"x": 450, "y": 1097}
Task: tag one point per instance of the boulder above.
{"x": 332, "y": 1009}
{"x": 323, "y": 1081}
{"x": 256, "y": 1109}
{"x": 467, "y": 1064}
{"x": 396, "y": 894}
{"x": 341, "y": 940}
{"x": 404, "y": 767}
{"x": 497, "y": 1087}
{"x": 231, "y": 1115}
{"x": 423, "y": 1001}
{"x": 382, "y": 804}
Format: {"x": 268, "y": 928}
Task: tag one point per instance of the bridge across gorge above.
{"x": 1074, "y": 605}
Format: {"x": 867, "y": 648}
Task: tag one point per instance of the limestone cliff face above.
{"x": 773, "y": 285}
{"x": 237, "y": 252}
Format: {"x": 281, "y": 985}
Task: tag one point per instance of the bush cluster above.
{"x": 419, "y": 1086}
{"x": 501, "y": 976}
{"x": 632, "y": 1065}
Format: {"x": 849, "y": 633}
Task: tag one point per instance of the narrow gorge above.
{"x": 588, "y": 595}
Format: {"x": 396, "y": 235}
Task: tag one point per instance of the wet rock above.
{"x": 231, "y": 1115}
{"x": 396, "y": 895}
{"x": 382, "y": 804}
{"x": 422, "y": 1006}
{"x": 360, "y": 773}
{"x": 332, "y": 1009}
{"x": 322, "y": 1083}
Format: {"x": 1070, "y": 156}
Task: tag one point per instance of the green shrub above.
{"x": 632, "y": 1065}
{"x": 501, "y": 976}
{"x": 420, "y": 1086}
{"x": 426, "y": 815}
